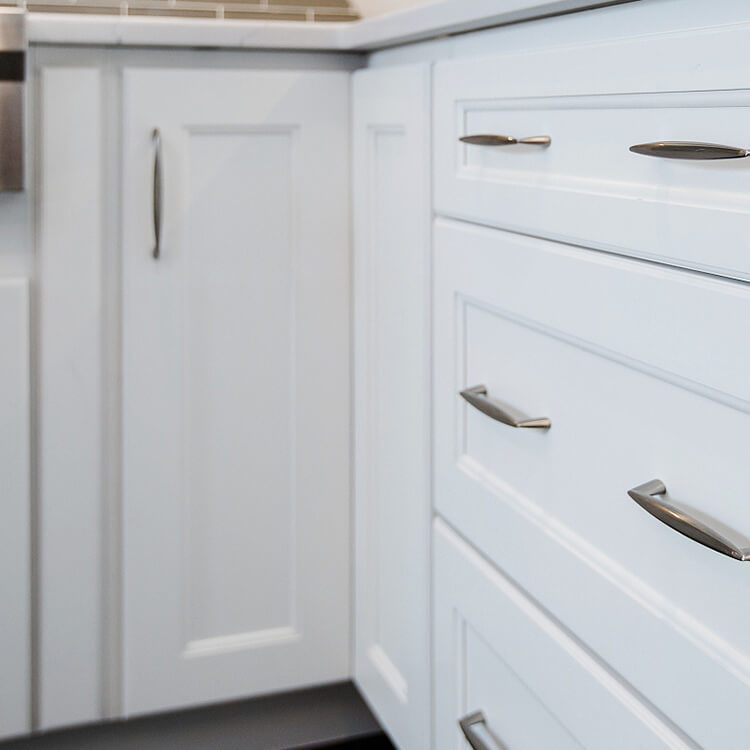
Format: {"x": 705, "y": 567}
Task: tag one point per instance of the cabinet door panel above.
{"x": 392, "y": 214}
{"x": 15, "y": 624}
{"x": 235, "y": 386}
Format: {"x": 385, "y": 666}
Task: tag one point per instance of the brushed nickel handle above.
{"x": 475, "y": 729}
{"x": 689, "y": 150}
{"x": 648, "y": 496}
{"x": 478, "y": 398}
{"x": 158, "y": 194}
{"x": 505, "y": 140}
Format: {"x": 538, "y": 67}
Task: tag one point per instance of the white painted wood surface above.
{"x": 69, "y": 265}
{"x": 15, "y": 530}
{"x": 605, "y": 347}
{"x": 587, "y": 187}
{"x": 391, "y": 158}
{"x": 497, "y": 651}
{"x": 236, "y": 395}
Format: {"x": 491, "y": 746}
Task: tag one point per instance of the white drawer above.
{"x": 497, "y": 653}
{"x": 586, "y": 187}
{"x": 643, "y": 373}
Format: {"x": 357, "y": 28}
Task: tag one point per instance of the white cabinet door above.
{"x": 235, "y": 385}
{"x": 15, "y": 625}
{"x": 392, "y": 387}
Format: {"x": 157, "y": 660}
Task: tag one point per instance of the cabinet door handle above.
{"x": 478, "y": 398}
{"x": 648, "y": 496}
{"x": 505, "y": 140}
{"x": 689, "y": 150}
{"x": 158, "y": 195}
{"x": 478, "y": 735}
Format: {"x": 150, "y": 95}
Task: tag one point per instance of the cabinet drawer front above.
{"x": 637, "y": 368}
{"x": 497, "y": 652}
{"x": 587, "y": 187}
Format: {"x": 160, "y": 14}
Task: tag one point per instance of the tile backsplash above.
{"x": 263, "y": 10}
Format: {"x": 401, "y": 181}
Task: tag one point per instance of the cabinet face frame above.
{"x": 74, "y": 257}
{"x": 391, "y": 158}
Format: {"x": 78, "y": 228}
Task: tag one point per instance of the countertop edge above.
{"x": 130, "y": 31}
{"x": 424, "y": 22}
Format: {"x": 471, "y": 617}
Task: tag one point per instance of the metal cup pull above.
{"x": 650, "y": 497}
{"x": 478, "y": 398}
{"x": 477, "y": 733}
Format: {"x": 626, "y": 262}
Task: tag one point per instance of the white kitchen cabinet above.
{"x": 15, "y": 529}
{"x": 392, "y": 386}
{"x": 235, "y": 385}
{"x": 193, "y": 489}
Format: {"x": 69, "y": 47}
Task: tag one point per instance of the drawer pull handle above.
{"x": 505, "y": 140}
{"x": 648, "y": 496}
{"x": 158, "y": 194}
{"x": 689, "y": 150}
{"x": 478, "y": 735}
{"x": 477, "y": 397}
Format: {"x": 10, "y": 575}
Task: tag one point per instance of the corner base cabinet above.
{"x": 235, "y": 383}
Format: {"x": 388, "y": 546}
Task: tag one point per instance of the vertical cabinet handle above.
{"x": 649, "y": 497}
{"x": 478, "y": 735}
{"x": 158, "y": 195}
{"x": 478, "y": 398}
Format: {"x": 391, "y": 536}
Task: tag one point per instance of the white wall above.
{"x": 379, "y": 7}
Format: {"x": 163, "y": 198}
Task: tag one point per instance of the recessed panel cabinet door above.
{"x": 235, "y": 383}
{"x": 392, "y": 397}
